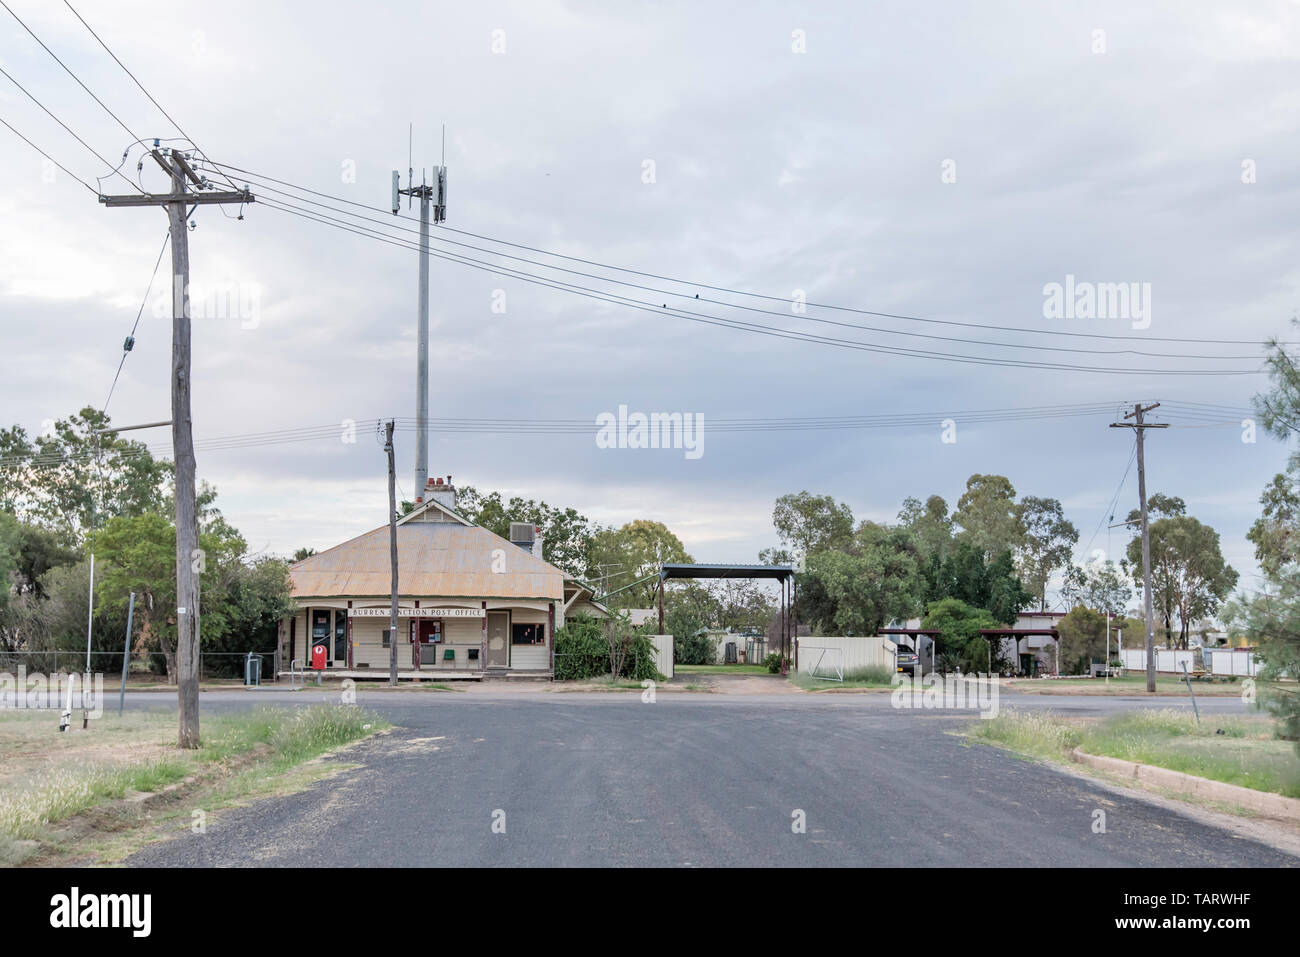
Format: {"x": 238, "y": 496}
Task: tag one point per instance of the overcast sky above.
{"x": 1107, "y": 141}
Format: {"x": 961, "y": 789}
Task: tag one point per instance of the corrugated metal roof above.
{"x": 433, "y": 559}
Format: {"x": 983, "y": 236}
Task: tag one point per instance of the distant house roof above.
{"x": 639, "y": 616}
{"x": 442, "y": 558}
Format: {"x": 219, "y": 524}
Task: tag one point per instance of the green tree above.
{"x": 1159, "y": 505}
{"x": 1083, "y": 638}
{"x": 1189, "y": 577}
{"x": 1047, "y": 545}
{"x": 256, "y": 597}
{"x": 78, "y": 475}
{"x": 635, "y": 551}
{"x": 1102, "y": 586}
{"x": 689, "y": 607}
{"x": 960, "y": 641}
{"x": 567, "y": 535}
{"x": 930, "y": 525}
{"x": 16, "y": 451}
{"x": 811, "y": 523}
{"x": 1274, "y": 533}
{"x": 39, "y": 550}
{"x": 138, "y": 554}
{"x": 857, "y": 590}
{"x": 10, "y": 540}
{"x": 992, "y": 585}
{"x": 988, "y": 515}
{"x": 1270, "y": 619}
{"x": 776, "y": 556}
{"x": 742, "y": 604}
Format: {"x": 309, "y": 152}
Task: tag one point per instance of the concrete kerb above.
{"x": 1262, "y": 802}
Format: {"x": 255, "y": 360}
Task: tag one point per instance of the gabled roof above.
{"x": 422, "y": 512}
{"x": 434, "y": 558}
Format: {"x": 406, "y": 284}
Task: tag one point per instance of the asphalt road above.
{"x": 695, "y": 780}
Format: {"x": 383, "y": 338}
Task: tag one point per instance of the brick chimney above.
{"x": 444, "y": 493}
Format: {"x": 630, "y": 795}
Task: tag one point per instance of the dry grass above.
{"x": 48, "y": 777}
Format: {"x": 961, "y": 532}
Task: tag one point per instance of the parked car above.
{"x": 905, "y": 661}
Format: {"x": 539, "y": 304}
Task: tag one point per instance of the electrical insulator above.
{"x": 129, "y": 344}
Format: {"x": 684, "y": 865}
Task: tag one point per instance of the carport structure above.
{"x": 782, "y": 573}
{"x": 1019, "y": 633}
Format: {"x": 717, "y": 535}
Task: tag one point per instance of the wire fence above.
{"x": 213, "y": 665}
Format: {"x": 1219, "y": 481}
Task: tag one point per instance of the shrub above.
{"x": 582, "y": 652}
{"x": 694, "y": 650}
{"x": 772, "y": 662}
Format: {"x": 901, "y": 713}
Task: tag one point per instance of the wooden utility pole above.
{"x": 179, "y": 202}
{"x": 1140, "y": 427}
{"x": 392, "y": 553}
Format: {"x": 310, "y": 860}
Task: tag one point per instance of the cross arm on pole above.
{"x": 1139, "y": 410}
{"x": 196, "y": 199}
{"x": 185, "y": 168}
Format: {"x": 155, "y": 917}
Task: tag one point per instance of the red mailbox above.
{"x": 318, "y": 657}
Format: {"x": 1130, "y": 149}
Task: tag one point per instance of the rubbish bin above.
{"x": 252, "y": 670}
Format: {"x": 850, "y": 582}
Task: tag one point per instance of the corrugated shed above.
{"x": 433, "y": 559}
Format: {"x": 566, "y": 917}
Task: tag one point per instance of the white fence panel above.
{"x": 1232, "y": 661}
{"x": 1171, "y": 662}
{"x": 663, "y": 653}
{"x": 1133, "y": 659}
{"x": 853, "y": 653}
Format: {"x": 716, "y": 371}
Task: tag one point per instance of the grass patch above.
{"x": 1029, "y": 732}
{"x": 1234, "y": 750}
{"x": 51, "y": 778}
{"x": 720, "y": 669}
{"x": 876, "y": 676}
{"x": 603, "y": 682}
{"x": 1125, "y": 685}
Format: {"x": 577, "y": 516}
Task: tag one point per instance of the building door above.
{"x": 320, "y": 631}
{"x": 498, "y": 639}
{"x": 339, "y": 649}
{"x": 426, "y": 649}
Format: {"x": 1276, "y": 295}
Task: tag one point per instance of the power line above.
{"x": 69, "y": 129}
{"x": 67, "y": 70}
{"x": 738, "y": 292}
{"x": 49, "y": 157}
{"x": 139, "y": 84}
{"x": 771, "y": 312}
{"x": 708, "y": 319}
{"x": 1110, "y": 509}
{"x": 587, "y": 426}
{"x": 126, "y": 349}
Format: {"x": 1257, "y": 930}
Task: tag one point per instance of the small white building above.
{"x": 470, "y": 603}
